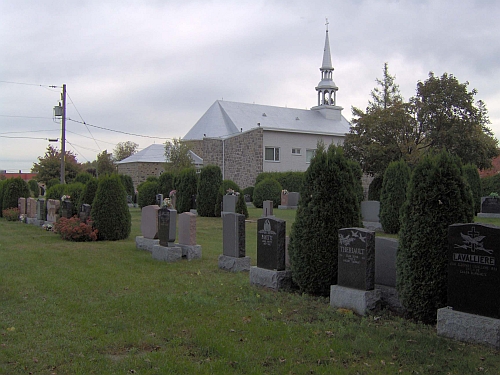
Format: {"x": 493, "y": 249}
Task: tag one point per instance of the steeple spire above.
{"x": 327, "y": 90}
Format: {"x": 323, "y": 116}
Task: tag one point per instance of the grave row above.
{"x": 41, "y": 211}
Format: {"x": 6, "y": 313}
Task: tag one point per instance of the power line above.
{"x": 6, "y": 136}
{"x": 45, "y": 118}
{"x": 84, "y": 136}
{"x": 77, "y": 111}
{"x": 117, "y": 131}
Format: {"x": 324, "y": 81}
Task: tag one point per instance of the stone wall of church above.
{"x": 140, "y": 171}
{"x": 196, "y": 146}
{"x": 243, "y": 156}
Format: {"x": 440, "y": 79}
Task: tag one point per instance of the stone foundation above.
{"x": 190, "y": 251}
{"x": 147, "y": 244}
{"x": 234, "y": 264}
{"x": 272, "y": 279}
{"x": 166, "y": 253}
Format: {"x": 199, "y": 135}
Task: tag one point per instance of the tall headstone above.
{"x": 233, "y": 235}
{"x": 66, "y": 209}
{"x": 284, "y": 198}
{"x": 271, "y": 233}
{"x": 149, "y": 228}
{"x": 490, "y": 207}
{"x": 40, "y": 209}
{"x": 167, "y": 218}
{"x": 473, "y": 313}
{"x": 187, "y": 236}
{"x": 53, "y": 206}
{"x": 267, "y": 208}
{"x": 293, "y": 199}
{"x": 31, "y": 208}
{"x": 229, "y": 203}
{"x": 159, "y": 199}
{"x": 21, "y": 204}
{"x": 84, "y": 213}
{"x": 385, "y": 273}
{"x": 356, "y": 271}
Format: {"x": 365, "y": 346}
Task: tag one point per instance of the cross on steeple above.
{"x": 327, "y": 23}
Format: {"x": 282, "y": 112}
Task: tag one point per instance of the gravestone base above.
{"x": 483, "y": 214}
{"x": 39, "y": 223}
{"x": 31, "y": 220}
{"x": 272, "y": 279}
{"x": 280, "y": 207}
{"x": 147, "y": 244}
{"x": 234, "y": 264}
{"x": 193, "y": 211}
{"x": 190, "y": 251}
{"x": 465, "y": 327}
{"x": 166, "y": 253}
{"x": 250, "y": 204}
{"x": 373, "y": 225}
{"x": 389, "y": 299}
{"x": 359, "y": 301}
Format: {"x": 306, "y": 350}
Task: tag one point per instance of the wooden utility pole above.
{"x": 63, "y": 135}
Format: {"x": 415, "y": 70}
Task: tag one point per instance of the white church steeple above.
{"x": 327, "y": 89}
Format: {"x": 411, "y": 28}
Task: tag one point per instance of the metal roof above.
{"x": 155, "y": 153}
{"x": 224, "y": 119}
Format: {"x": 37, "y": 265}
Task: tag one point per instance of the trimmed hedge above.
{"x": 110, "y": 213}
{"x": 52, "y": 182}
{"x": 166, "y": 183}
{"x": 128, "y": 184}
{"x": 249, "y": 191}
{"x": 186, "y": 185}
{"x": 83, "y": 177}
{"x": 88, "y": 193}
{"x": 35, "y": 190}
{"x": 291, "y": 181}
{"x": 208, "y": 191}
{"x": 241, "y": 206}
{"x": 14, "y": 189}
{"x": 75, "y": 191}
{"x": 437, "y": 197}
{"x": 357, "y": 175}
{"x": 3, "y": 185}
{"x": 147, "y": 193}
{"x": 267, "y": 190}
{"x": 328, "y": 203}
{"x": 393, "y": 195}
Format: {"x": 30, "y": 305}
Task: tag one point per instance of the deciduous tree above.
{"x": 177, "y": 156}
{"x": 49, "y": 165}
{"x": 124, "y": 149}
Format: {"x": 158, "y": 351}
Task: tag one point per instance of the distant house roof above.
{"x": 155, "y": 154}
{"x": 224, "y": 119}
{"x": 24, "y": 176}
{"x": 495, "y": 168}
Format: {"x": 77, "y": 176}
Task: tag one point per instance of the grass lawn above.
{"x": 107, "y": 308}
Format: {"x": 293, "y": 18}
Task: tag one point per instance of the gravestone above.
{"x": 40, "y": 210}
{"x": 67, "y": 209}
{"x": 385, "y": 273}
{"x": 53, "y": 206}
{"x": 356, "y": 271}
{"x": 293, "y": 199}
{"x": 229, "y": 204}
{"x": 173, "y": 201}
{"x": 473, "y": 312}
{"x": 149, "y": 228}
{"x": 490, "y": 207}
{"x": 21, "y": 204}
{"x": 267, "y": 208}
{"x": 31, "y": 208}
{"x": 233, "y": 244}
{"x": 187, "y": 236}
{"x": 271, "y": 270}
{"x": 284, "y": 198}
{"x": 159, "y": 199}
{"x": 271, "y": 233}
{"x": 167, "y": 218}
{"x": 84, "y": 213}
{"x": 370, "y": 211}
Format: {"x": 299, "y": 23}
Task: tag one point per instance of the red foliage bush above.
{"x": 74, "y": 230}
{"x": 11, "y": 214}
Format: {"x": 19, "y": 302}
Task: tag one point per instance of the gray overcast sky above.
{"x": 154, "y": 67}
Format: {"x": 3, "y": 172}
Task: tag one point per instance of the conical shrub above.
{"x": 437, "y": 197}
{"x": 110, "y": 213}
{"x": 328, "y": 202}
{"x": 208, "y": 189}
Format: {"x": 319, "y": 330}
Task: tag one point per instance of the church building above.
{"x": 247, "y": 139}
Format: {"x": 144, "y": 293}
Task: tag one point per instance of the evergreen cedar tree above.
{"x": 393, "y": 195}
{"x": 375, "y": 187}
{"x": 241, "y": 206}
{"x": 208, "y": 190}
{"x": 437, "y": 197}
{"x": 291, "y": 181}
{"x": 166, "y": 183}
{"x": 186, "y": 185}
{"x": 14, "y": 189}
{"x": 88, "y": 193}
{"x": 147, "y": 193}
{"x": 267, "y": 190}
{"x": 75, "y": 191}
{"x": 328, "y": 202}
{"x": 127, "y": 183}
{"x": 33, "y": 185}
{"x": 110, "y": 213}
{"x": 83, "y": 177}
{"x": 472, "y": 177}
{"x": 3, "y": 185}
{"x": 357, "y": 174}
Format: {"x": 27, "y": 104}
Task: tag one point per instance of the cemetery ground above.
{"x": 108, "y": 308}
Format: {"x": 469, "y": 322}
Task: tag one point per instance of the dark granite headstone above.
{"x": 248, "y": 198}
{"x": 66, "y": 209}
{"x": 233, "y": 235}
{"x": 356, "y": 263}
{"x": 490, "y": 205}
{"x": 293, "y": 199}
{"x": 271, "y": 233}
{"x": 385, "y": 261}
{"x": 40, "y": 209}
{"x": 159, "y": 199}
{"x": 85, "y": 212}
{"x": 166, "y": 225}
{"x": 473, "y": 275}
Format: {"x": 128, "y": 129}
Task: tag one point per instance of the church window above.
{"x": 272, "y": 154}
{"x": 295, "y": 151}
